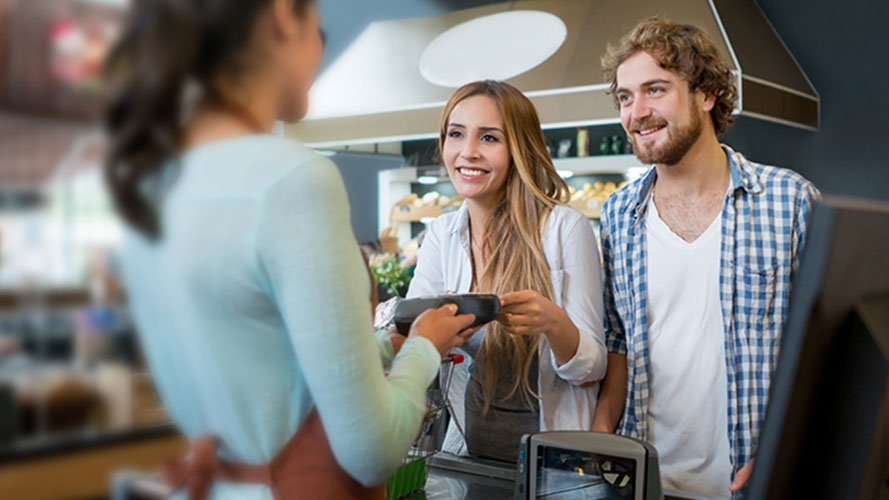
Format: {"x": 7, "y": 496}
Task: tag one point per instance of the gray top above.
{"x": 496, "y": 434}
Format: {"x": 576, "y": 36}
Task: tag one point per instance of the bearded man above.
{"x": 699, "y": 254}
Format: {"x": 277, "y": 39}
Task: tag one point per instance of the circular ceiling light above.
{"x": 498, "y": 46}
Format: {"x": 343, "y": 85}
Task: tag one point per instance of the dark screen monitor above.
{"x": 826, "y": 431}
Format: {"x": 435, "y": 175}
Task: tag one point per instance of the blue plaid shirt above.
{"x": 764, "y": 220}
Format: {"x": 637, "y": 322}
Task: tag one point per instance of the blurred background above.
{"x": 76, "y": 402}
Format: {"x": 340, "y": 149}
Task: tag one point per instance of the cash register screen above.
{"x": 578, "y": 475}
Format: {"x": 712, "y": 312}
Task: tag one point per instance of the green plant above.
{"x": 389, "y": 274}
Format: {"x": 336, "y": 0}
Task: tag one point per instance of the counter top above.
{"x": 452, "y": 485}
{"x": 52, "y": 446}
{"x": 449, "y": 478}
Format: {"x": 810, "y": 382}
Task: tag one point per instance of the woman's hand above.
{"x": 396, "y": 339}
{"x": 443, "y": 328}
{"x": 529, "y": 313}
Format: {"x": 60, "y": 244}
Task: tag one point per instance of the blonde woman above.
{"x": 536, "y": 367}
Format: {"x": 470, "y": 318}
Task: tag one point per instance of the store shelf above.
{"x": 587, "y": 165}
{"x": 590, "y": 208}
{"x": 414, "y": 214}
{"x": 396, "y": 184}
{"x": 602, "y": 164}
{"x": 417, "y": 214}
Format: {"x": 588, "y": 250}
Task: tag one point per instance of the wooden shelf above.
{"x": 83, "y": 467}
{"x": 589, "y": 165}
{"x": 415, "y": 214}
{"x": 590, "y": 208}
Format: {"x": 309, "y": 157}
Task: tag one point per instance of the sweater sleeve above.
{"x": 384, "y": 345}
{"x": 316, "y": 276}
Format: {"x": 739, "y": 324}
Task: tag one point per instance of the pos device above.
{"x": 485, "y": 306}
{"x": 580, "y": 465}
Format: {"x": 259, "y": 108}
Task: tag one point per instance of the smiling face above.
{"x": 662, "y": 118}
{"x": 474, "y": 151}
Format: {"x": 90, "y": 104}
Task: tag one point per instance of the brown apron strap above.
{"x": 198, "y": 472}
{"x": 307, "y": 465}
{"x": 305, "y": 468}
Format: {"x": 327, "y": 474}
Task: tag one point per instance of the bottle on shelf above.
{"x": 617, "y": 145}
{"x": 583, "y": 142}
{"x": 564, "y": 148}
{"x": 605, "y": 146}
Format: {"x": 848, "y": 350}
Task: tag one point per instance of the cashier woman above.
{"x": 249, "y": 292}
{"x": 537, "y": 366}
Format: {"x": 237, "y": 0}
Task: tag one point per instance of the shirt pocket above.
{"x": 757, "y": 289}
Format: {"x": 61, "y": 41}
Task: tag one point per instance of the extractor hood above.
{"x": 393, "y": 81}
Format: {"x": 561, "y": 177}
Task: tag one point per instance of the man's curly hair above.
{"x": 688, "y": 51}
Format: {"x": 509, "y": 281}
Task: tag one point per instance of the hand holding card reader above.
{"x": 486, "y": 307}
{"x": 578, "y": 465}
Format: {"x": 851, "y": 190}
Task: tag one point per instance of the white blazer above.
{"x": 568, "y": 402}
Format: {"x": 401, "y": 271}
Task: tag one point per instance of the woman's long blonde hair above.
{"x": 514, "y": 258}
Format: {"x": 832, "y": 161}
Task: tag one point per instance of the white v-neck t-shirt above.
{"x": 687, "y": 415}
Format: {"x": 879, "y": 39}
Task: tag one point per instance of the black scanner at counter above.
{"x": 586, "y": 465}
{"x": 557, "y": 465}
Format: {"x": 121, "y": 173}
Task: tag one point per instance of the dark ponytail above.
{"x": 165, "y": 47}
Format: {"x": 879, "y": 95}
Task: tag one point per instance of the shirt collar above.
{"x": 743, "y": 176}
{"x": 461, "y": 222}
{"x": 460, "y": 227}
{"x": 645, "y": 185}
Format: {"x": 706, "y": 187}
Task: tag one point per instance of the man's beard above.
{"x": 679, "y": 140}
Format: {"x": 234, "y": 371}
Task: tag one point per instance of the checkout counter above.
{"x": 567, "y": 465}
{"x": 462, "y": 478}
{"x": 450, "y": 478}
{"x": 459, "y": 478}
{"x": 556, "y": 465}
